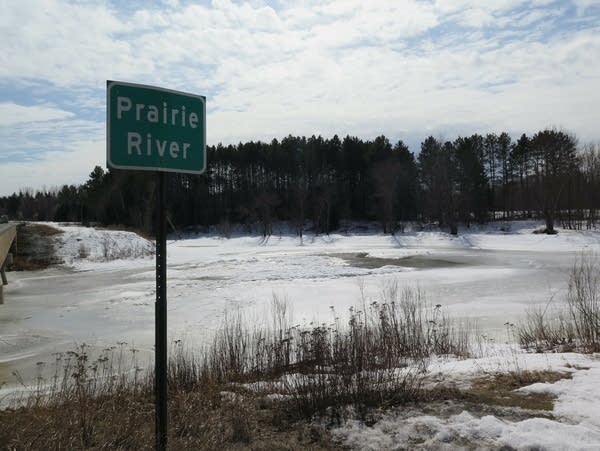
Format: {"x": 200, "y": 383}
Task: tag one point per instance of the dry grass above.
{"x": 107, "y": 403}
{"x": 35, "y": 249}
{"x": 42, "y": 230}
{"x": 574, "y": 325}
{"x": 398, "y": 330}
{"x": 378, "y": 356}
{"x": 197, "y": 420}
{"x": 262, "y": 388}
{"x": 547, "y": 330}
{"x": 221, "y": 397}
{"x": 499, "y": 389}
{"x": 123, "y": 228}
{"x": 27, "y": 264}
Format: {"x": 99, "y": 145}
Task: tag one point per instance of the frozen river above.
{"x": 486, "y": 275}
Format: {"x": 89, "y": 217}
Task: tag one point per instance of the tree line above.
{"x": 318, "y": 183}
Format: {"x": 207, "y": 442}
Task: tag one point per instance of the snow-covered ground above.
{"x": 81, "y": 245}
{"x": 104, "y": 294}
{"x": 575, "y": 426}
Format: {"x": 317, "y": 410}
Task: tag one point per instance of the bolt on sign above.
{"x": 155, "y": 129}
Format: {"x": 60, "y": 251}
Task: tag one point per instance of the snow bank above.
{"x": 578, "y": 398}
{"x": 465, "y": 431}
{"x": 80, "y": 246}
{"x": 577, "y": 410}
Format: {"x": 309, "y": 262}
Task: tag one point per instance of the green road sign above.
{"x": 155, "y": 129}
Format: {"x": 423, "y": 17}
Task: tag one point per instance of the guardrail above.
{"x": 8, "y": 234}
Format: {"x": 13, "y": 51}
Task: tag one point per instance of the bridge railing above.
{"x": 8, "y": 234}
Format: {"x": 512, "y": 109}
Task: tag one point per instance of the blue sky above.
{"x": 404, "y": 68}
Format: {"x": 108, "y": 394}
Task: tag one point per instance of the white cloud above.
{"x": 72, "y": 165}
{"x": 59, "y": 42}
{"x": 11, "y": 113}
{"x": 583, "y": 5}
{"x": 340, "y": 66}
{"x": 475, "y": 17}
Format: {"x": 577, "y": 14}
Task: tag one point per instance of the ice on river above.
{"x": 105, "y": 293}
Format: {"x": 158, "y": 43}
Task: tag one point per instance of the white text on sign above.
{"x": 166, "y": 115}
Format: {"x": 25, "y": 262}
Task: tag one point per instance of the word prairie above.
{"x": 152, "y": 113}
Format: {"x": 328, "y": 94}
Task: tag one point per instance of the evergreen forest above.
{"x": 320, "y": 184}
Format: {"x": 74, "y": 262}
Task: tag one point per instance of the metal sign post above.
{"x": 156, "y": 129}
{"x": 160, "y": 311}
